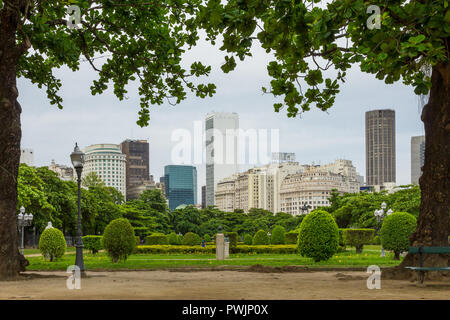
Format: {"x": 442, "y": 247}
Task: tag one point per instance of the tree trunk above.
{"x": 11, "y": 262}
{"x": 396, "y": 255}
{"x": 433, "y": 225}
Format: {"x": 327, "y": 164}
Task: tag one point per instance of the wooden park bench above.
{"x": 427, "y": 250}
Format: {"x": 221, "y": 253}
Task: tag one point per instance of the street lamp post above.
{"x": 23, "y": 220}
{"x": 379, "y": 215}
{"x": 77, "y": 158}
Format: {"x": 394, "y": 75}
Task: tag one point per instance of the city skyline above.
{"x": 313, "y": 136}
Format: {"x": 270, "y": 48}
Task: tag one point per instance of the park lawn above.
{"x": 37, "y": 251}
{"x": 157, "y": 261}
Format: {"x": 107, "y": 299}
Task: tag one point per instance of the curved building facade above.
{"x": 109, "y": 163}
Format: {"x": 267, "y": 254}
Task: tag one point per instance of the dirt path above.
{"x": 234, "y": 285}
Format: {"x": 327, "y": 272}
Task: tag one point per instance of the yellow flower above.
{"x": 340, "y": 261}
{"x": 210, "y": 262}
{"x": 336, "y": 256}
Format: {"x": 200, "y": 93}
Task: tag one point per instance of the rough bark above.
{"x": 433, "y": 226}
{"x": 11, "y": 262}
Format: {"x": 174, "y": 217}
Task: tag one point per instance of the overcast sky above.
{"x": 316, "y": 136}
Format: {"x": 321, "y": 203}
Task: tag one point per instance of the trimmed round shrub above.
{"x": 207, "y": 238}
{"x": 248, "y": 240}
{"x": 52, "y": 244}
{"x": 233, "y": 237}
{"x": 173, "y": 239}
{"x": 180, "y": 238}
{"x": 156, "y": 238}
{"x": 119, "y": 240}
{"x": 291, "y": 237}
{"x": 278, "y": 235}
{"x": 319, "y": 236}
{"x": 261, "y": 238}
{"x": 357, "y": 238}
{"x": 191, "y": 239}
{"x": 93, "y": 243}
{"x": 396, "y": 230}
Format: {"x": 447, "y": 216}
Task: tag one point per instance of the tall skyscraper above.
{"x": 137, "y": 165}
{"x": 221, "y": 156}
{"x": 181, "y": 185}
{"x": 417, "y": 158}
{"x": 108, "y": 162}
{"x": 203, "y": 197}
{"x": 380, "y": 146}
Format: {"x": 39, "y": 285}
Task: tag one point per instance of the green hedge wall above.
{"x": 93, "y": 243}
{"x": 357, "y": 238}
{"x": 168, "y": 249}
{"x": 291, "y": 237}
{"x": 156, "y": 238}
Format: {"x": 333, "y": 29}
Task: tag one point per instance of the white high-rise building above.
{"x": 221, "y": 149}
{"x": 27, "y": 156}
{"x": 108, "y": 162}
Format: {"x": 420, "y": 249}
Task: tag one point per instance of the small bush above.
{"x": 52, "y": 244}
{"x": 173, "y": 239}
{"x": 93, "y": 243}
{"x": 291, "y": 237}
{"x": 396, "y": 230}
{"x": 191, "y": 239}
{"x": 233, "y": 236}
{"x": 357, "y": 238}
{"x": 319, "y": 236}
{"x": 180, "y": 238}
{"x": 207, "y": 238}
{"x": 278, "y": 235}
{"x": 261, "y": 238}
{"x": 156, "y": 238}
{"x": 119, "y": 240}
{"x": 248, "y": 240}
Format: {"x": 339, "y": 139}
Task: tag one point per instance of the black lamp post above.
{"x": 77, "y": 158}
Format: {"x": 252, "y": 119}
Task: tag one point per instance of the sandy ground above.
{"x": 233, "y": 285}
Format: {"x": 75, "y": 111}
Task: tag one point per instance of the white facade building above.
{"x": 64, "y": 172}
{"x": 108, "y": 162}
{"x": 27, "y": 156}
{"x": 288, "y": 187}
{"x": 221, "y": 152}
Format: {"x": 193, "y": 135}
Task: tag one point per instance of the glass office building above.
{"x": 181, "y": 185}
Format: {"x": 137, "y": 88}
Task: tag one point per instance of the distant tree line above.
{"x": 49, "y": 198}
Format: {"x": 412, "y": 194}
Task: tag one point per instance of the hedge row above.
{"x": 163, "y": 249}
{"x": 168, "y": 249}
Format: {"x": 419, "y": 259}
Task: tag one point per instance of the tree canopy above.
{"x": 395, "y": 40}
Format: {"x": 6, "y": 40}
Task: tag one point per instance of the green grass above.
{"x": 144, "y": 261}
{"x": 37, "y": 251}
